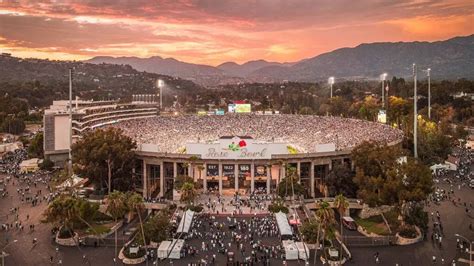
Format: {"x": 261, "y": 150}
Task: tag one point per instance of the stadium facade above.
{"x": 234, "y": 164}
{"x": 87, "y": 115}
{"x": 227, "y": 164}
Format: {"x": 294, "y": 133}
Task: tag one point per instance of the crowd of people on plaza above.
{"x": 28, "y": 190}
{"x": 171, "y": 133}
{"x": 455, "y": 181}
{"x": 247, "y": 236}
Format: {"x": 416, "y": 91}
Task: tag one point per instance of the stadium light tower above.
{"x": 383, "y": 77}
{"x": 70, "y": 123}
{"x": 415, "y": 114}
{"x": 428, "y": 74}
{"x": 331, "y": 82}
{"x": 160, "y": 83}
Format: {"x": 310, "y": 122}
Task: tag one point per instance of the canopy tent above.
{"x": 185, "y": 223}
{"x": 435, "y": 167}
{"x": 295, "y": 250}
{"x": 303, "y": 250}
{"x": 291, "y": 251}
{"x": 170, "y": 249}
{"x": 283, "y": 225}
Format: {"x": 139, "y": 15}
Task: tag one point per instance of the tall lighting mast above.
{"x": 331, "y": 82}
{"x": 70, "y": 123}
{"x": 160, "y": 83}
{"x": 428, "y": 73}
{"x": 415, "y": 114}
{"x": 383, "y": 77}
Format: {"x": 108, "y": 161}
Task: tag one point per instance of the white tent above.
{"x": 283, "y": 225}
{"x": 303, "y": 250}
{"x": 291, "y": 250}
{"x": 435, "y": 167}
{"x": 170, "y": 249}
{"x": 185, "y": 223}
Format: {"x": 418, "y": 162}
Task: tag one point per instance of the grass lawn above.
{"x": 373, "y": 224}
{"x": 98, "y": 229}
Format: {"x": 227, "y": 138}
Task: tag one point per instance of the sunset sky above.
{"x": 216, "y": 31}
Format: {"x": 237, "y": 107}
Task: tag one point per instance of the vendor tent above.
{"x": 283, "y": 225}
{"x": 295, "y": 250}
{"x": 185, "y": 223}
{"x": 170, "y": 249}
{"x": 303, "y": 250}
{"x": 291, "y": 251}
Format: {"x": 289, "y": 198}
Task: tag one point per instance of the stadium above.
{"x": 245, "y": 153}
{"x": 224, "y": 153}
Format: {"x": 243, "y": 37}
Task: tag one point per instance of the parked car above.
{"x": 349, "y": 223}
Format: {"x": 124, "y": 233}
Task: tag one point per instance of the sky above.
{"x": 216, "y": 31}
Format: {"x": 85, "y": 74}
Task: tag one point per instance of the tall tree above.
{"x": 326, "y": 220}
{"x": 340, "y": 181}
{"x": 341, "y": 204}
{"x": 188, "y": 192}
{"x": 117, "y": 208}
{"x": 104, "y": 155}
{"x": 36, "y": 146}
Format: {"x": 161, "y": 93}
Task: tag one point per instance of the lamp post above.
{"x": 160, "y": 83}
{"x": 383, "y": 77}
{"x": 428, "y": 71}
{"x": 3, "y": 251}
{"x": 331, "y": 82}
{"x": 470, "y": 246}
{"x": 70, "y": 122}
{"x": 415, "y": 114}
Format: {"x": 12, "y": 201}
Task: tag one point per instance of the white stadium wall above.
{"x": 61, "y": 132}
{"x": 328, "y": 147}
{"x": 236, "y": 148}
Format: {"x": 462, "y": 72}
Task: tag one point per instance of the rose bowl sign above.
{"x": 236, "y": 148}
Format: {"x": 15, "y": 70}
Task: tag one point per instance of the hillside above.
{"x": 450, "y": 59}
{"x": 39, "y": 82}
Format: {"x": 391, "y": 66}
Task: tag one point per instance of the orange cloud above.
{"x": 211, "y": 31}
{"x": 435, "y": 27}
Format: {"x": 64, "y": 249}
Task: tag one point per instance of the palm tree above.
{"x": 292, "y": 177}
{"x": 192, "y": 160}
{"x": 62, "y": 212}
{"x": 135, "y": 204}
{"x": 188, "y": 192}
{"x": 201, "y": 168}
{"x": 117, "y": 208}
{"x": 326, "y": 220}
{"x": 186, "y": 168}
{"x": 341, "y": 204}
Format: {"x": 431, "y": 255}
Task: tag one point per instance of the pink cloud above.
{"x": 214, "y": 31}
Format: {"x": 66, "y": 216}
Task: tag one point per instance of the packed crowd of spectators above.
{"x": 255, "y": 239}
{"x": 171, "y": 133}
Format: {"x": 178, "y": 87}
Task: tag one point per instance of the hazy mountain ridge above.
{"x": 449, "y": 59}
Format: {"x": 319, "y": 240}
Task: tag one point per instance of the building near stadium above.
{"x": 87, "y": 115}
{"x": 225, "y": 154}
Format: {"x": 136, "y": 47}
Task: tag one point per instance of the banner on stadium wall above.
{"x": 202, "y": 113}
{"x": 236, "y": 148}
{"x": 382, "y": 116}
{"x": 220, "y": 112}
{"x": 243, "y": 108}
{"x": 231, "y": 108}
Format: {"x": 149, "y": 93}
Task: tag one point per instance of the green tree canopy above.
{"x": 106, "y": 157}
{"x": 340, "y": 181}
{"x": 36, "y": 146}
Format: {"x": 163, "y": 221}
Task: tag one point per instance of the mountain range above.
{"x": 448, "y": 59}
